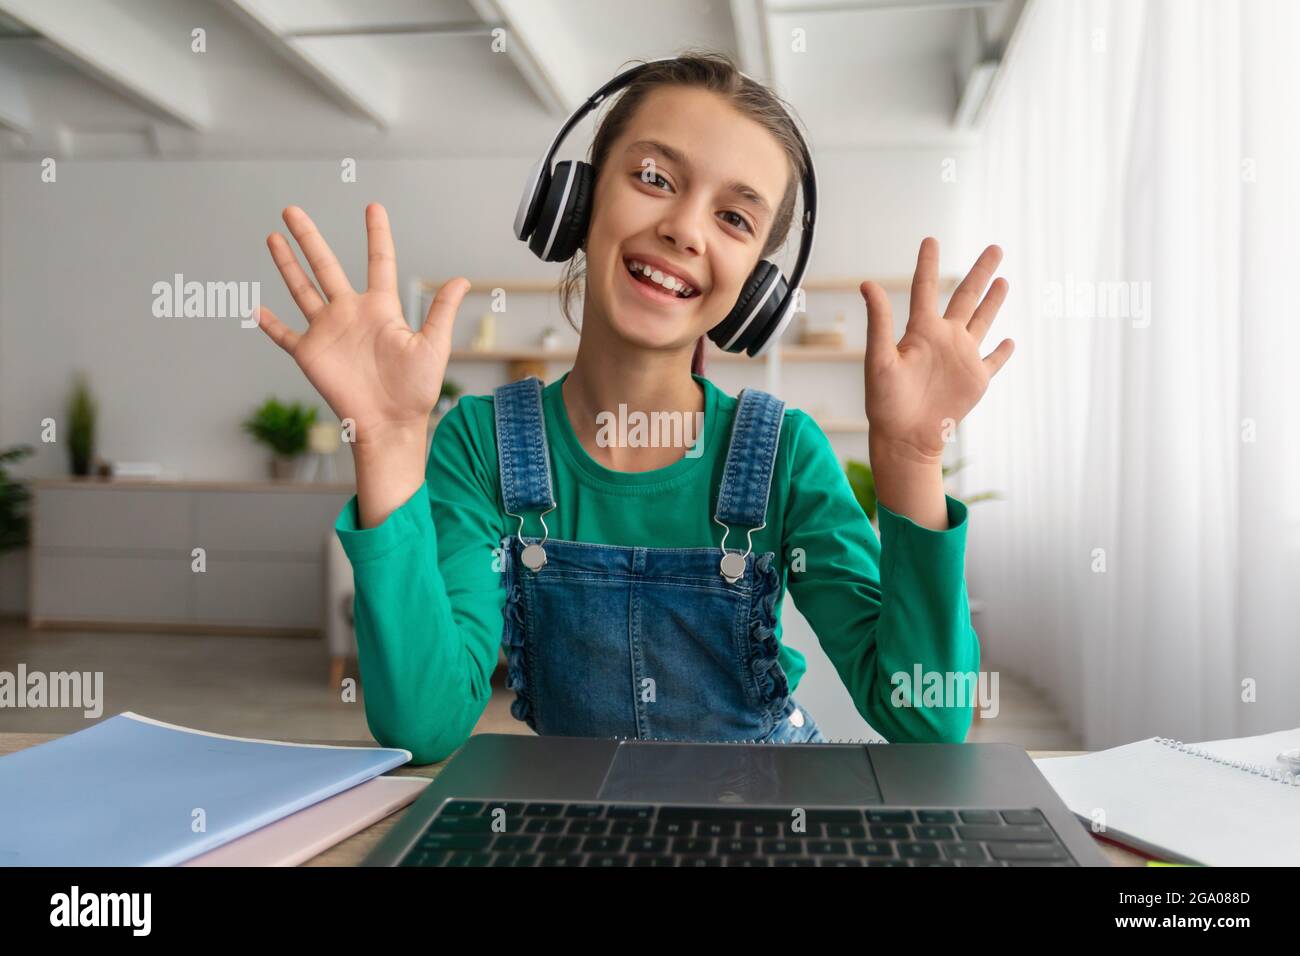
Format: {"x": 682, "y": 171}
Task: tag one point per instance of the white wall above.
{"x": 79, "y": 257}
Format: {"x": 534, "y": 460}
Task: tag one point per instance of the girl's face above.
{"x": 690, "y": 189}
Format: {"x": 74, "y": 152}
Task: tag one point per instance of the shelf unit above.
{"x": 826, "y": 284}
{"x": 788, "y": 353}
{"x": 771, "y": 362}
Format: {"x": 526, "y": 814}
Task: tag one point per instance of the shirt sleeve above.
{"x": 428, "y": 602}
{"x": 886, "y": 609}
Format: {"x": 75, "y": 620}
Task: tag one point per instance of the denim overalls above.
{"x": 645, "y": 643}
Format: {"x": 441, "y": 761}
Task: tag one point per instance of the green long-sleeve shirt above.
{"x": 429, "y": 600}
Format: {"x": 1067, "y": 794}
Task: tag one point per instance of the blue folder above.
{"x": 131, "y": 791}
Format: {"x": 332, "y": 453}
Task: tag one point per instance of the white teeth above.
{"x": 669, "y": 282}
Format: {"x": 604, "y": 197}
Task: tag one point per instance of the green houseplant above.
{"x": 863, "y": 484}
{"x": 14, "y": 495}
{"x": 283, "y": 428}
{"x": 82, "y": 412}
{"x": 451, "y": 390}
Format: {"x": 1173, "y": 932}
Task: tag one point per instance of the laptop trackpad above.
{"x": 782, "y": 775}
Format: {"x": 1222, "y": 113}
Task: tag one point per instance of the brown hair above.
{"x": 712, "y": 71}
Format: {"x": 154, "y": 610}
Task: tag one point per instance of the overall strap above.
{"x": 521, "y": 447}
{"x": 747, "y": 474}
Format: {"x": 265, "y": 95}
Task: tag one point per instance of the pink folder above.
{"x": 313, "y": 830}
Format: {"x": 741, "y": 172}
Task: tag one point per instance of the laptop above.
{"x": 515, "y": 800}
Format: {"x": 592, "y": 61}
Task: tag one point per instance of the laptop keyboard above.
{"x": 488, "y": 833}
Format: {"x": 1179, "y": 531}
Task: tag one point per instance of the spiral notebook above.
{"x": 1218, "y": 803}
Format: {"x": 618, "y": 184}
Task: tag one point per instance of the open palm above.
{"x": 358, "y": 351}
{"x": 917, "y": 390}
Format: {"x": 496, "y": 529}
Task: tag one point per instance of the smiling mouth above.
{"x": 657, "y": 280}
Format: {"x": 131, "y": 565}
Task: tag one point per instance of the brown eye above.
{"x": 743, "y": 223}
{"x": 642, "y": 177}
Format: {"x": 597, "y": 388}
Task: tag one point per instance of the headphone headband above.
{"x": 530, "y": 204}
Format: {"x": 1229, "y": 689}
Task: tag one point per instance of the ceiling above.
{"x": 415, "y": 78}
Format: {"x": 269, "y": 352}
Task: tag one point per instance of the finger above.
{"x": 382, "y": 256}
{"x": 968, "y": 293}
{"x": 998, "y": 357}
{"x": 302, "y": 289}
{"x": 280, "y": 333}
{"x": 988, "y": 310}
{"x": 925, "y": 281}
{"x": 442, "y": 313}
{"x": 880, "y": 322}
{"x": 324, "y": 265}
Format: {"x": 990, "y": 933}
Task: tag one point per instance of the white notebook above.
{"x": 1219, "y": 803}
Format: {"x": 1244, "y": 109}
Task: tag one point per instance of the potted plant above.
{"x": 14, "y": 495}
{"x": 863, "y": 483}
{"x": 284, "y": 428}
{"x": 82, "y": 412}
{"x": 451, "y": 390}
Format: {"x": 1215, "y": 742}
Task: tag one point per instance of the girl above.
{"x": 620, "y": 624}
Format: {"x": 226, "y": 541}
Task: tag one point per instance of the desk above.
{"x": 354, "y": 849}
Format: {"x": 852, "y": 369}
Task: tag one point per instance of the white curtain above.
{"x": 1140, "y": 165}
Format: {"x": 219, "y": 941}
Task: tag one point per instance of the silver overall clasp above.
{"x": 534, "y": 554}
{"x": 732, "y": 564}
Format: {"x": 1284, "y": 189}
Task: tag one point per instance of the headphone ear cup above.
{"x": 573, "y": 230}
{"x": 765, "y": 288}
{"x": 565, "y": 214}
{"x": 530, "y": 203}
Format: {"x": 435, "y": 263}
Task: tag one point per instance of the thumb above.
{"x": 880, "y": 322}
{"x": 442, "y": 313}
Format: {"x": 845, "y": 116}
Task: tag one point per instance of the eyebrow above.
{"x": 675, "y": 156}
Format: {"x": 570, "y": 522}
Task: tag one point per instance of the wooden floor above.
{"x": 276, "y": 687}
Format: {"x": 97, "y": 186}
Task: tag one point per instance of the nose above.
{"x": 682, "y": 227}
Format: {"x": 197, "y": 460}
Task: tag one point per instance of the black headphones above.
{"x": 555, "y": 212}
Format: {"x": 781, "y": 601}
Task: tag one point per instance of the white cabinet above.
{"x": 120, "y": 554}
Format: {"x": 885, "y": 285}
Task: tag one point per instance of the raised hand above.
{"x": 921, "y": 387}
{"x": 358, "y": 351}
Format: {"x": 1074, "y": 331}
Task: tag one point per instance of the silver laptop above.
{"x": 513, "y": 800}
